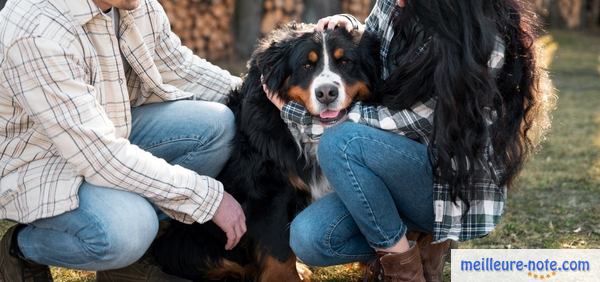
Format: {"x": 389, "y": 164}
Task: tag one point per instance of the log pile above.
{"x": 359, "y": 8}
{"x": 277, "y": 12}
{"x": 207, "y": 26}
{"x": 203, "y": 25}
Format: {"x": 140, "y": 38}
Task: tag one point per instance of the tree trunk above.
{"x": 554, "y": 16}
{"x": 248, "y": 15}
{"x": 318, "y": 9}
{"x": 594, "y": 14}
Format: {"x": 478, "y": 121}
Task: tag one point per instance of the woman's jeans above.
{"x": 383, "y": 187}
{"x": 112, "y": 229}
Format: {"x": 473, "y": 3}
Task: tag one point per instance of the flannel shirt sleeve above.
{"x": 296, "y": 116}
{"x": 372, "y": 21}
{"x": 414, "y": 123}
{"x": 48, "y": 82}
{"x": 181, "y": 68}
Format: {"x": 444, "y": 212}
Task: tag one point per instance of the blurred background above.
{"x": 226, "y": 30}
{"x": 556, "y": 202}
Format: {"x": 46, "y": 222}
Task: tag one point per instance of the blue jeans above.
{"x": 383, "y": 186}
{"x": 112, "y": 229}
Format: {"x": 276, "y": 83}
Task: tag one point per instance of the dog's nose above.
{"x": 327, "y": 93}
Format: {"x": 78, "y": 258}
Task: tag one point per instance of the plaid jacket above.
{"x": 65, "y": 107}
{"x": 452, "y": 221}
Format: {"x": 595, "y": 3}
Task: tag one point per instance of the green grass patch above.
{"x": 556, "y": 203}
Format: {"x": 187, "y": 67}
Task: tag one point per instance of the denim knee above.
{"x": 123, "y": 241}
{"x": 333, "y": 142}
{"x": 306, "y": 241}
{"x": 224, "y": 123}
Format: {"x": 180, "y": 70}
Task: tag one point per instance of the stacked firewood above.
{"x": 276, "y": 12}
{"x": 206, "y": 26}
{"x": 359, "y": 8}
{"x": 203, "y": 25}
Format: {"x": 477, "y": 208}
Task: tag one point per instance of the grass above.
{"x": 556, "y": 203}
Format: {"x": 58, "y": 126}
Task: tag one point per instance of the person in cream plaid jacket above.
{"x": 107, "y": 123}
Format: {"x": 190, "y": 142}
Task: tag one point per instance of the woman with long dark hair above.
{"x": 464, "y": 106}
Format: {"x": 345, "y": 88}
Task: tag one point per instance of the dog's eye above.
{"x": 344, "y": 62}
{"x": 308, "y": 66}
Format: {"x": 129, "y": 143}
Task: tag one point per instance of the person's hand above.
{"x": 231, "y": 219}
{"x": 278, "y": 102}
{"x": 332, "y": 22}
{"x": 340, "y": 21}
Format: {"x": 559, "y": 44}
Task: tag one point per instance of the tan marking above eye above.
{"x": 338, "y": 53}
{"x": 313, "y": 57}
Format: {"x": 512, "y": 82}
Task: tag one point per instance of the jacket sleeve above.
{"x": 181, "y": 68}
{"x": 49, "y": 85}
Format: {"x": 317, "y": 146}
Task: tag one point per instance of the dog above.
{"x": 273, "y": 172}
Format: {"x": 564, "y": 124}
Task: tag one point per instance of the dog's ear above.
{"x": 370, "y": 57}
{"x": 273, "y": 65}
{"x": 273, "y": 51}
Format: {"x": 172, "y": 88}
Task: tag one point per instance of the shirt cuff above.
{"x": 202, "y": 203}
{"x": 210, "y": 197}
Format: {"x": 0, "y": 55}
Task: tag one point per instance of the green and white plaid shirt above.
{"x": 452, "y": 221}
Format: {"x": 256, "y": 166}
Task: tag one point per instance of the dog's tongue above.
{"x": 329, "y": 114}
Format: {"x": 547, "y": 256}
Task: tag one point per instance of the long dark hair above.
{"x": 443, "y": 51}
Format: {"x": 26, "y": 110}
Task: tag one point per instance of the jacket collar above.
{"x": 82, "y": 11}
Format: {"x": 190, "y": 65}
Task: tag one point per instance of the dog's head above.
{"x": 325, "y": 72}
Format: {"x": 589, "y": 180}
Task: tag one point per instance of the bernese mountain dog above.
{"x": 273, "y": 171}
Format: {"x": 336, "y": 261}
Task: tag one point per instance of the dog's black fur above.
{"x": 267, "y": 173}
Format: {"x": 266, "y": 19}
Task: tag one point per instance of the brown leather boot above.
{"x": 403, "y": 267}
{"x": 433, "y": 256}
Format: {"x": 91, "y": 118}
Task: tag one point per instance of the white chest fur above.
{"x": 316, "y": 182}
